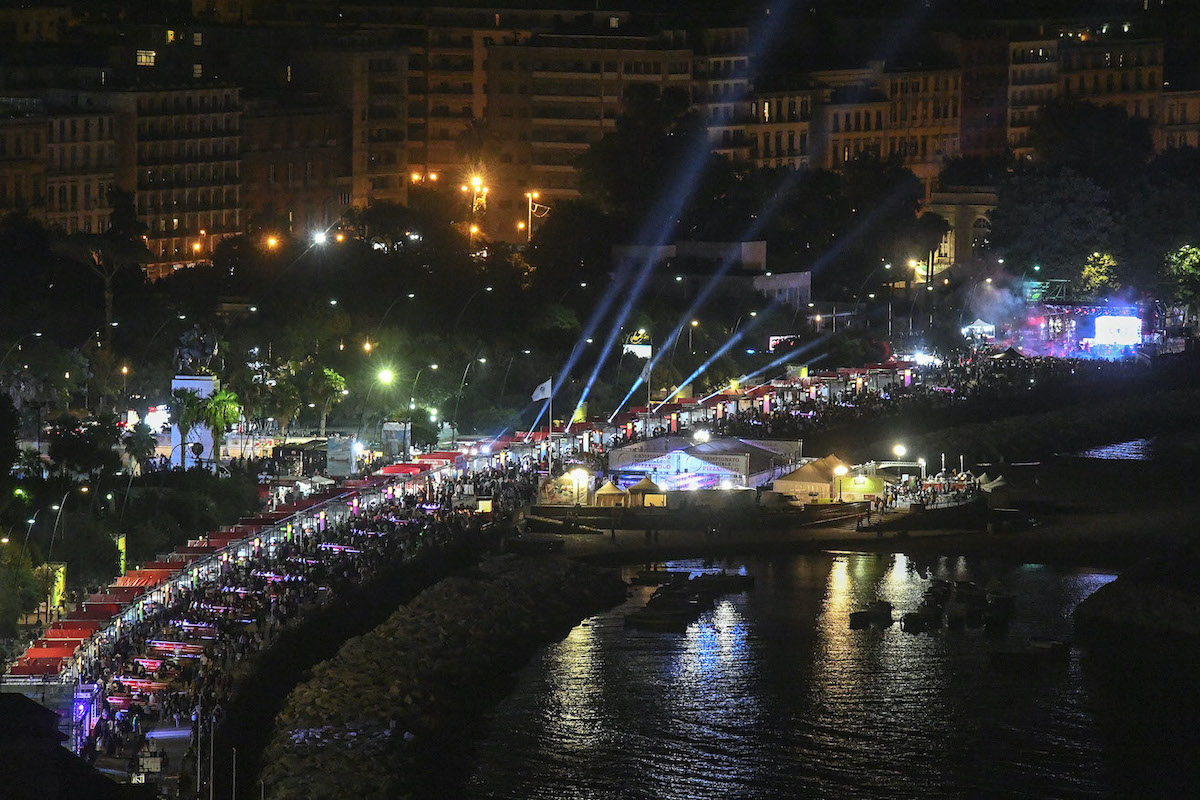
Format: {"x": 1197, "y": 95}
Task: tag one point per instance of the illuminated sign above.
{"x": 638, "y": 344}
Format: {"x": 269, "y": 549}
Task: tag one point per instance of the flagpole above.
{"x": 550, "y": 426}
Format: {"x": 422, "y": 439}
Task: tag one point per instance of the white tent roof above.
{"x": 645, "y": 486}
{"x": 610, "y": 488}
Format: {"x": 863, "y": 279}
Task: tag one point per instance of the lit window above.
{"x": 197, "y": 71}
{"x": 145, "y": 58}
{"x": 197, "y": 39}
{"x": 170, "y": 37}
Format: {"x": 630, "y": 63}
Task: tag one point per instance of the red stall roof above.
{"x": 90, "y": 625}
{"x": 404, "y": 469}
{"x": 77, "y": 634}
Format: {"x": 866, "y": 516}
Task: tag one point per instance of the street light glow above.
{"x": 899, "y": 450}
{"x": 319, "y": 237}
{"x": 385, "y": 376}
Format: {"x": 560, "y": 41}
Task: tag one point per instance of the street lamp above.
{"x": 412, "y": 394}
{"x": 458, "y": 397}
{"x": 529, "y": 198}
{"x": 899, "y": 450}
{"x": 840, "y": 470}
{"x": 692, "y": 327}
{"x": 16, "y": 344}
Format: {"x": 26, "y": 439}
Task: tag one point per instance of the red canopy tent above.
{"x": 404, "y": 469}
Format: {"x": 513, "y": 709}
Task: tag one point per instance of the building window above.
{"x": 145, "y": 58}
{"x": 170, "y": 37}
{"x": 197, "y": 70}
{"x": 197, "y": 39}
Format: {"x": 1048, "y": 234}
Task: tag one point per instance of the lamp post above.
{"x": 463, "y": 310}
{"x": 384, "y": 376}
{"x": 53, "y": 531}
{"x": 692, "y": 327}
{"x": 458, "y": 397}
{"x": 16, "y": 344}
{"x": 529, "y": 198}
{"x": 412, "y": 393}
{"x": 840, "y": 470}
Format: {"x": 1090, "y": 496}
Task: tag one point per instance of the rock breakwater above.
{"x": 394, "y": 706}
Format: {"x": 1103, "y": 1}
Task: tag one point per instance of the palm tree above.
{"x": 327, "y": 387}
{"x": 140, "y": 444}
{"x": 184, "y": 405}
{"x": 218, "y": 411}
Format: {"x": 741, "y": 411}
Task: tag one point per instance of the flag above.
{"x": 544, "y": 390}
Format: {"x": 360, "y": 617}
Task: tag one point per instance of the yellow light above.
{"x": 367, "y": 346}
{"x": 416, "y": 176}
{"x": 341, "y": 237}
{"x": 899, "y": 450}
{"x": 695, "y": 323}
{"x": 520, "y": 225}
{"x": 840, "y": 470}
{"x": 272, "y": 241}
{"x": 912, "y": 262}
{"x": 83, "y": 489}
{"x": 385, "y": 376}
{"x": 196, "y": 247}
{"x": 474, "y": 229}
{"x": 124, "y": 370}
{"x": 203, "y": 232}
{"x": 477, "y": 181}
{"x": 464, "y": 187}
{"x": 433, "y": 176}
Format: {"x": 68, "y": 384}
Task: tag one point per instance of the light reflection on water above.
{"x": 771, "y": 694}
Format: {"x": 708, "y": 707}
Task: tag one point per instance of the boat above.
{"x": 675, "y": 605}
{"x": 878, "y": 613}
{"x": 1040, "y": 653}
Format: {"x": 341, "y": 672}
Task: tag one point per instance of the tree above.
{"x": 1098, "y": 274}
{"x": 108, "y": 254}
{"x": 1102, "y": 143}
{"x": 84, "y": 448}
{"x": 140, "y": 444}
{"x": 218, "y": 411}
{"x": 184, "y": 405}
{"x": 1183, "y": 268}
{"x": 1055, "y": 221}
{"x": 284, "y": 402}
{"x": 656, "y": 127}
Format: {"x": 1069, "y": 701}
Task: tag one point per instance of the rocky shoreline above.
{"x": 387, "y": 715}
{"x": 1156, "y": 598}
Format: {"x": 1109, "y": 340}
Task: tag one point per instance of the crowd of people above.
{"x": 174, "y": 667}
{"x": 934, "y": 389}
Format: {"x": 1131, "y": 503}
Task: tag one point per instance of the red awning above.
{"x": 404, "y": 469}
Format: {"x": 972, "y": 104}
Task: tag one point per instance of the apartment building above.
{"x": 1033, "y": 81}
{"x": 780, "y": 129}
{"x": 721, "y": 88}
{"x": 22, "y": 162}
{"x": 178, "y": 150}
{"x": 552, "y": 96}
{"x": 370, "y": 87}
{"x": 80, "y": 170}
{"x": 924, "y": 117}
{"x": 1113, "y": 70}
{"x": 295, "y": 164}
{"x": 1179, "y": 125}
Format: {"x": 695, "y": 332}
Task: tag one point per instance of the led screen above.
{"x": 1118, "y": 330}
